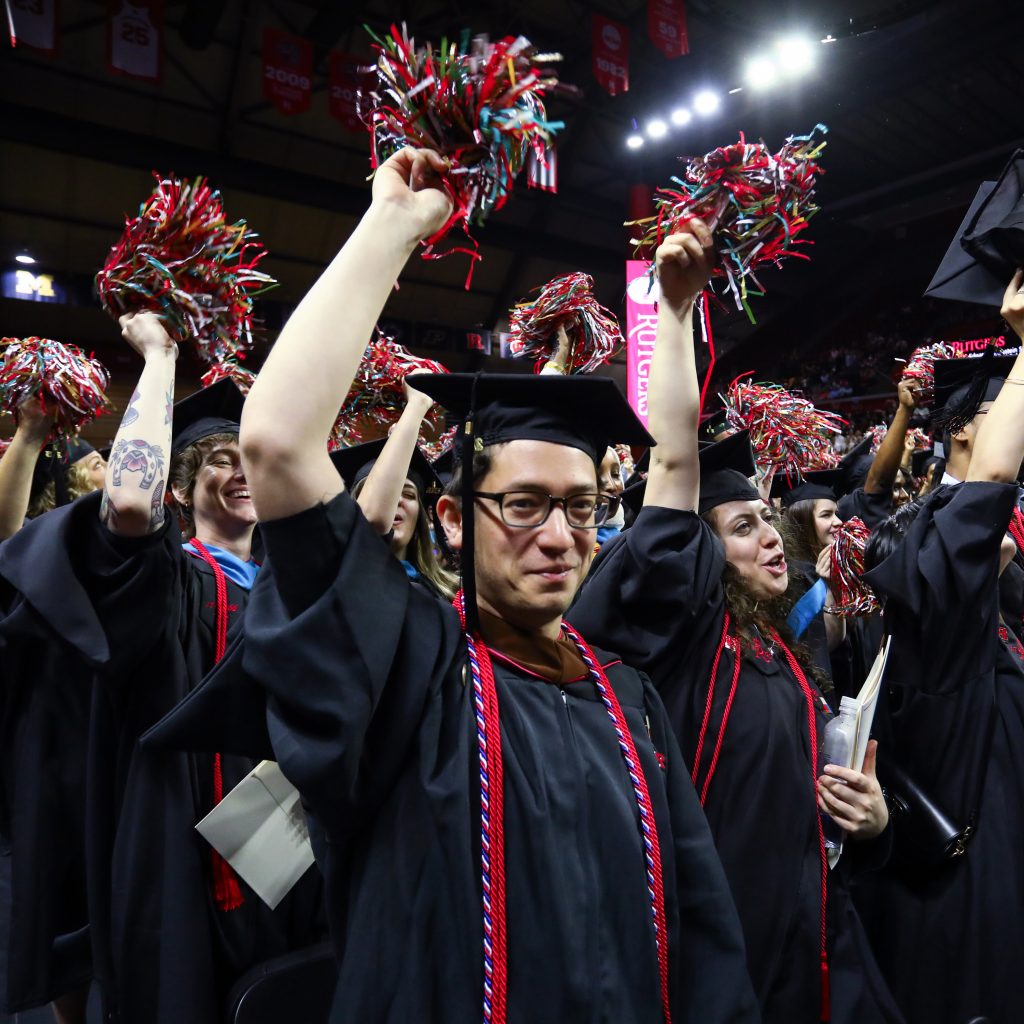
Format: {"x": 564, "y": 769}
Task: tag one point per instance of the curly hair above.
{"x": 78, "y": 483}
{"x": 185, "y": 468}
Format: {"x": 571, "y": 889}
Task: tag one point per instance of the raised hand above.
{"x": 410, "y": 183}
{"x": 1013, "y": 304}
{"x": 684, "y": 263}
{"x": 145, "y": 332}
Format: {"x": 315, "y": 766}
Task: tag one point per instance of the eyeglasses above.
{"x": 523, "y": 509}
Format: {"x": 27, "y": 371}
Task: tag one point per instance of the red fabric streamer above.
{"x": 377, "y": 397}
{"x": 756, "y": 202}
{"x": 853, "y": 596}
{"x": 182, "y": 259}
{"x": 786, "y": 432}
{"x": 61, "y": 376}
{"x": 568, "y": 301}
{"x": 243, "y": 378}
{"x": 922, "y": 440}
{"x": 920, "y": 368}
{"x": 477, "y": 103}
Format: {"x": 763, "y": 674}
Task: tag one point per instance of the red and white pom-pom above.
{"x": 853, "y": 596}
{"x": 568, "y": 302}
{"x": 878, "y": 432}
{"x": 5, "y": 443}
{"x": 626, "y": 463}
{"x": 920, "y": 368}
{"x": 376, "y": 399}
{"x": 62, "y": 377}
{"x": 787, "y": 433}
{"x": 182, "y": 259}
{"x": 243, "y": 378}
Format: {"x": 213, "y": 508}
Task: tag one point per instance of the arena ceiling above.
{"x": 921, "y": 101}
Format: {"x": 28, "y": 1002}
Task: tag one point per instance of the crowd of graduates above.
{"x": 554, "y": 703}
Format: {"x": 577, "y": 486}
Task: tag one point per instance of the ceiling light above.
{"x": 681, "y": 116}
{"x": 706, "y": 102}
{"x": 23, "y": 257}
{"x": 635, "y": 141}
{"x": 795, "y": 54}
{"x": 761, "y": 73}
{"x": 657, "y": 129}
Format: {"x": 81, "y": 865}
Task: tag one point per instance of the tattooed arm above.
{"x": 133, "y": 496}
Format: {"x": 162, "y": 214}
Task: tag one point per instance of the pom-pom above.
{"x": 921, "y": 439}
{"x": 243, "y": 378}
{"x": 626, "y": 463}
{"x": 182, "y": 259}
{"x": 920, "y": 368}
{"x": 477, "y": 103}
{"x": 853, "y": 595}
{"x": 756, "y": 202}
{"x": 568, "y": 302}
{"x": 62, "y": 377}
{"x": 786, "y": 432}
{"x": 5, "y": 443}
{"x": 376, "y": 399}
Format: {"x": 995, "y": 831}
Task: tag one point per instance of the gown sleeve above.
{"x": 351, "y": 656}
{"x": 653, "y": 591}
{"x": 939, "y": 587}
{"x": 871, "y": 509}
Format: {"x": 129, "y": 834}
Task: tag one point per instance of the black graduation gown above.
{"x": 369, "y": 708}
{"x": 44, "y": 715}
{"x": 162, "y": 951}
{"x": 951, "y": 938}
{"x": 657, "y": 594}
{"x": 871, "y": 509}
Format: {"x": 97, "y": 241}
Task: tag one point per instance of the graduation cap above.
{"x": 213, "y": 410}
{"x": 962, "y": 386}
{"x": 989, "y": 245}
{"x": 444, "y": 466}
{"x": 921, "y": 459}
{"x": 354, "y": 464}
{"x": 78, "y": 448}
{"x": 725, "y": 468}
{"x": 822, "y": 483}
{"x": 854, "y": 466}
{"x": 714, "y": 425}
{"x": 586, "y": 413}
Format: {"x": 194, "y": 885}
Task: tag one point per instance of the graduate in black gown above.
{"x": 487, "y": 852}
{"x": 950, "y": 929}
{"x": 694, "y": 592}
{"x": 111, "y": 575}
{"x": 395, "y": 487}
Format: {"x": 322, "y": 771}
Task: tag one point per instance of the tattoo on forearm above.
{"x": 108, "y": 512}
{"x": 137, "y": 456}
{"x": 131, "y": 414}
{"x": 169, "y": 405}
{"x": 156, "y": 508}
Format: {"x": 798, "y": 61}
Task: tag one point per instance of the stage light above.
{"x": 657, "y": 129}
{"x": 23, "y": 257}
{"x": 706, "y": 102}
{"x": 681, "y": 116}
{"x": 635, "y": 141}
{"x": 761, "y": 73}
{"x": 795, "y": 55}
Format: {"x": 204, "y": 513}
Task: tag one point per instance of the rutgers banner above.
{"x": 287, "y": 71}
{"x": 609, "y": 42}
{"x": 641, "y": 328}
{"x": 32, "y": 23}
{"x": 343, "y": 92}
{"x": 666, "y": 25}
{"x": 134, "y": 33}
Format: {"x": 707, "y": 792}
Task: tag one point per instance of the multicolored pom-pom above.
{"x": 787, "y": 433}
{"x": 921, "y": 439}
{"x": 376, "y": 399}
{"x": 756, "y": 202}
{"x": 475, "y": 102}
{"x": 182, "y": 259}
{"x": 920, "y": 368}
{"x": 243, "y": 378}
{"x": 62, "y": 377}
{"x": 626, "y": 462}
{"x": 853, "y": 596}
{"x": 568, "y": 302}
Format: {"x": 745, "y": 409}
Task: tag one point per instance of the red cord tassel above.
{"x": 826, "y": 994}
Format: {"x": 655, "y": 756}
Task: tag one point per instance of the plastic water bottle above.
{"x": 840, "y": 736}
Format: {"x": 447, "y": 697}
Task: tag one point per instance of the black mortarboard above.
{"x": 989, "y": 245}
{"x": 725, "y": 467}
{"x": 589, "y": 413}
{"x": 820, "y": 483}
{"x": 921, "y": 459}
{"x": 213, "y": 410}
{"x": 714, "y": 425}
{"x": 354, "y": 464}
{"x": 962, "y": 386}
{"x": 444, "y": 465}
{"x": 78, "y": 448}
{"x": 854, "y": 467}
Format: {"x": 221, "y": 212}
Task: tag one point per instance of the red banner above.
{"x": 287, "y": 71}
{"x": 666, "y": 25}
{"x": 32, "y": 23}
{"x": 134, "y": 35}
{"x": 345, "y": 83}
{"x": 610, "y": 44}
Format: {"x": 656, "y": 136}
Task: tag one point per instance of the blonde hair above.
{"x": 78, "y": 483}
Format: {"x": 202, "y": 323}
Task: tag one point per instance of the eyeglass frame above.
{"x": 613, "y": 501}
